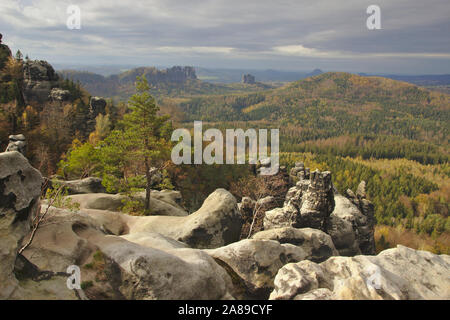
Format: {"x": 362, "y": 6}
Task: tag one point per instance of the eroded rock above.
{"x": 254, "y": 263}
{"x": 317, "y": 245}
{"x": 20, "y": 188}
{"x": 401, "y": 274}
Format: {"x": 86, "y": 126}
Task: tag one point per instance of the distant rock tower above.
{"x": 248, "y": 79}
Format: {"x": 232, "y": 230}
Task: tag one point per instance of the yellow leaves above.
{"x": 13, "y": 68}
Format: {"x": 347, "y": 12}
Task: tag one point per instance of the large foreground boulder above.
{"x": 125, "y": 266}
{"x": 401, "y": 274}
{"x": 20, "y": 187}
{"x": 215, "y": 224}
{"x": 253, "y": 264}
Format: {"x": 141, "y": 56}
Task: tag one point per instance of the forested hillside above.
{"x": 351, "y": 124}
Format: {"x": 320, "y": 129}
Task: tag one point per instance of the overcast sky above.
{"x": 259, "y": 34}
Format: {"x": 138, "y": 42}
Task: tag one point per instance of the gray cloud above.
{"x": 287, "y": 34}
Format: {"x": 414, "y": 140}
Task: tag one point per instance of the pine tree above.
{"x": 146, "y": 134}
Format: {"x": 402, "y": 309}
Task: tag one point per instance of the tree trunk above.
{"x": 147, "y": 189}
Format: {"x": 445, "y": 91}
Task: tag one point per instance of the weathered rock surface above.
{"x": 215, "y": 224}
{"x": 18, "y": 143}
{"x": 253, "y": 264}
{"x": 133, "y": 266}
{"x": 314, "y": 203}
{"x": 401, "y": 273}
{"x": 365, "y": 224}
{"x": 308, "y": 204}
{"x": 316, "y": 244}
{"x": 20, "y": 187}
{"x": 351, "y": 230}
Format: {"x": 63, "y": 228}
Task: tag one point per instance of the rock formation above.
{"x": 401, "y": 274}
{"x": 97, "y": 105}
{"x": 215, "y": 224}
{"x": 248, "y": 79}
{"x": 314, "y": 203}
{"x": 176, "y": 74}
{"x": 57, "y": 94}
{"x": 18, "y": 143}
{"x": 20, "y": 188}
{"x": 157, "y": 257}
{"x": 39, "y": 80}
{"x": 308, "y": 204}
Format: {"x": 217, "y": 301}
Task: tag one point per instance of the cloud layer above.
{"x": 283, "y": 34}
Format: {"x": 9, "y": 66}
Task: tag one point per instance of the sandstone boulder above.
{"x": 131, "y": 266}
{"x": 317, "y": 245}
{"x": 215, "y": 224}
{"x": 401, "y": 274}
{"x": 18, "y": 143}
{"x": 253, "y": 264}
{"x": 20, "y": 188}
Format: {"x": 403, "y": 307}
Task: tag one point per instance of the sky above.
{"x": 291, "y": 35}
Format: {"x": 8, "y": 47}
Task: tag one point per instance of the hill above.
{"x": 334, "y": 104}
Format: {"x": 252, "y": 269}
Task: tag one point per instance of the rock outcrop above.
{"x": 215, "y": 224}
{"x": 158, "y": 257}
{"x": 176, "y": 74}
{"x": 5, "y": 53}
{"x": 253, "y": 264}
{"x": 17, "y": 143}
{"x": 314, "y": 203}
{"x": 39, "y": 80}
{"x": 307, "y": 205}
{"x": 60, "y": 95}
{"x": 351, "y": 230}
{"x": 97, "y": 105}
{"x": 401, "y": 274}
{"x": 248, "y": 79}
{"x": 316, "y": 244}
{"x": 20, "y": 188}
{"x": 125, "y": 265}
